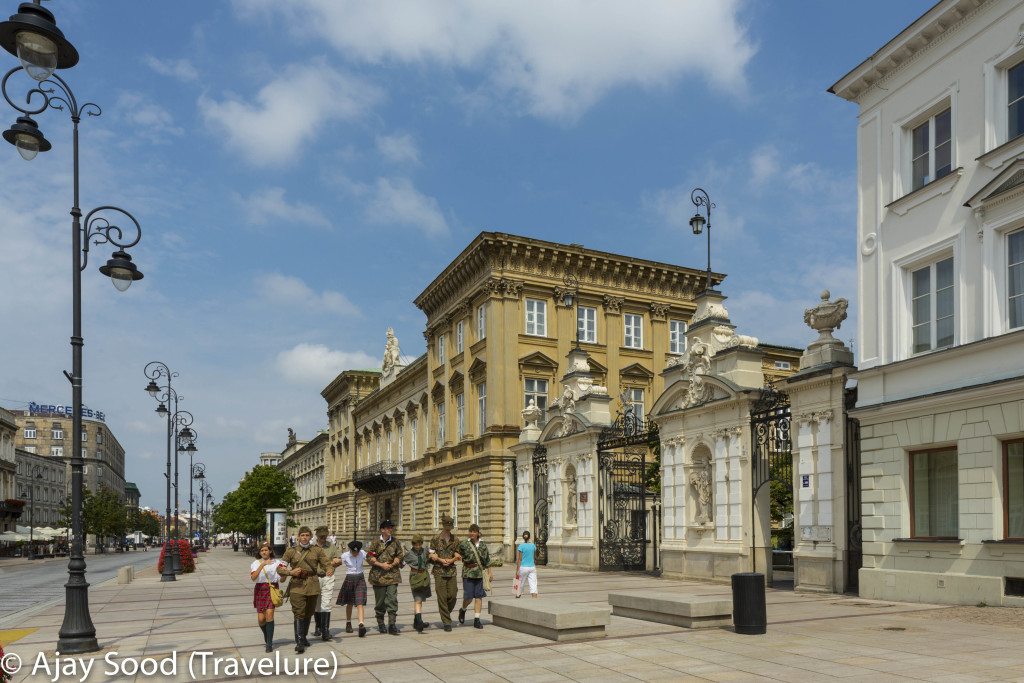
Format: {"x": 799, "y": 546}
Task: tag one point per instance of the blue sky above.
{"x": 302, "y": 170}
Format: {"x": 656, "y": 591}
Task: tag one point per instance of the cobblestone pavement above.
{"x": 27, "y": 583}
{"x": 810, "y": 637}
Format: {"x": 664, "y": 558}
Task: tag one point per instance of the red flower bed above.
{"x": 4, "y": 676}
{"x": 188, "y": 563}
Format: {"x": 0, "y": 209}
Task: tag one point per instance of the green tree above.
{"x": 244, "y": 509}
{"x": 103, "y": 514}
{"x": 146, "y": 522}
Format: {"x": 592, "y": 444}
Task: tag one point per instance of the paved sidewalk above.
{"x": 810, "y": 637}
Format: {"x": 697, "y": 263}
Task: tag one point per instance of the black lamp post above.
{"x": 571, "y": 297}
{"x": 183, "y": 441}
{"x": 198, "y": 471}
{"x": 154, "y": 371}
{"x": 700, "y": 198}
{"x": 209, "y": 515}
{"x": 33, "y": 37}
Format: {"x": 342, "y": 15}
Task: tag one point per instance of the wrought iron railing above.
{"x": 379, "y": 468}
{"x": 381, "y": 476}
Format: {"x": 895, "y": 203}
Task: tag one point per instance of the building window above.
{"x": 440, "y": 349}
{"x": 437, "y": 508}
{"x": 57, "y": 434}
{"x": 85, "y": 452}
{"x": 783, "y": 365}
{"x": 391, "y": 440}
{"x": 676, "y": 336}
{"x": 932, "y": 305}
{"x": 481, "y": 321}
{"x": 30, "y": 430}
{"x": 99, "y": 437}
{"x": 440, "y": 424}
{"x": 536, "y": 317}
{"x": 1015, "y": 101}
{"x": 57, "y": 451}
{"x": 412, "y": 512}
{"x": 401, "y": 443}
{"x": 475, "y": 505}
{"x": 1013, "y": 495}
{"x": 377, "y": 440}
{"x": 481, "y": 407}
{"x": 934, "y": 494}
{"x": 636, "y": 401}
{"x": 1015, "y": 277}
{"x": 634, "y": 331}
{"x": 460, "y": 337}
{"x": 455, "y": 505}
{"x": 412, "y": 438}
{"x": 460, "y": 415}
{"x": 30, "y": 449}
{"x": 931, "y": 156}
{"x": 586, "y": 324}
{"x": 536, "y": 390}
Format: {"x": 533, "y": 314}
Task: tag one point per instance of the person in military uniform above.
{"x": 475, "y": 560}
{"x": 444, "y": 553}
{"x": 322, "y": 616}
{"x": 419, "y": 580}
{"x": 385, "y": 557}
{"x": 307, "y": 562}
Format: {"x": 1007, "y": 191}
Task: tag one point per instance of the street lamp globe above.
{"x": 161, "y": 410}
{"x": 152, "y": 389}
{"x": 697, "y": 223}
{"x": 25, "y": 135}
{"x": 121, "y": 271}
{"x": 33, "y": 37}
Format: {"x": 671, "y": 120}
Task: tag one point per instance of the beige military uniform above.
{"x": 304, "y": 592}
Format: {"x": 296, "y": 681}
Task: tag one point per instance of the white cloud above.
{"x": 764, "y": 165}
{"x": 180, "y": 69}
{"x": 394, "y": 201}
{"x": 555, "y": 59}
{"x": 316, "y": 364}
{"x": 288, "y": 111}
{"x": 154, "y": 121}
{"x": 398, "y": 148}
{"x": 270, "y": 206}
{"x": 291, "y": 291}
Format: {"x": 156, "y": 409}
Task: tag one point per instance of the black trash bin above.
{"x": 749, "y": 615}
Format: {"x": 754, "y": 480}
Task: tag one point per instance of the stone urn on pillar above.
{"x": 824, "y": 318}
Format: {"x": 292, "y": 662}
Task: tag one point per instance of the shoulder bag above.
{"x": 486, "y": 574}
{"x": 276, "y": 596}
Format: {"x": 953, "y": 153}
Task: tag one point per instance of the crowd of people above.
{"x": 309, "y": 566}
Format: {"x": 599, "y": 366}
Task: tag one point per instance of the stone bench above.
{"x": 688, "y": 611}
{"x": 549, "y": 619}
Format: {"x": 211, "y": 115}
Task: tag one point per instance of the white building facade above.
{"x": 303, "y": 462}
{"x": 940, "y": 159}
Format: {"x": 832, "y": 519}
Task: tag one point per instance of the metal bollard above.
{"x": 749, "y": 614}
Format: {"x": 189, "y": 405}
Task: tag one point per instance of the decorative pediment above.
{"x": 1011, "y": 178}
{"x": 457, "y": 381}
{"x": 685, "y": 393}
{"x": 563, "y": 425}
{"x": 478, "y": 370}
{"x": 412, "y": 406}
{"x": 437, "y": 392}
{"x": 538, "y": 362}
{"x": 636, "y": 371}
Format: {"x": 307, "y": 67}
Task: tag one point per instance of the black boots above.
{"x": 380, "y": 625}
{"x": 462, "y": 615}
{"x": 318, "y": 619}
{"x": 477, "y": 624}
{"x": 362, "y": 631}
{"x": 325, "y": 626}
{"x": 417, "y": 623}
{"x": 393, "y": 629}
{"x": 299, "y": 647}
{"x": 305, "y": 632}
{"x": 268, "y": 635}
{"x": 348, "y": 627}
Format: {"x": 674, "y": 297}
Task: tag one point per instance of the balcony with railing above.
{"x": 387, "y": 475}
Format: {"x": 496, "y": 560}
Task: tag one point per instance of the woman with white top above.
{"x": 264, "y": 572}
{"x": 353, "y": 590}
{"x": 526, "y": 565}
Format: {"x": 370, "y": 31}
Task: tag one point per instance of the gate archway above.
{"x": 623, "y": 454}
{"x": 541, "y": 502}
{"x": 772, "y": 464}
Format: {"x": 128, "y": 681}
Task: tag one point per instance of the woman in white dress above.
{"x": 264, "y": 572}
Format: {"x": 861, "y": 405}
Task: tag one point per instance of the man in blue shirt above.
{"x": 526, "y": 566}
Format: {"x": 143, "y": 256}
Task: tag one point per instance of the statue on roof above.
{"x": 392, "y": 354}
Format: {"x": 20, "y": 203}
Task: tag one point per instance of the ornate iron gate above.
{"x": 622, "y": 492}
{"x": 854, "y": 548}
{"x": 540, "y": 502}
{"x": 773, "y": 459}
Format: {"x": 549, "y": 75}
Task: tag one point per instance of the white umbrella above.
{"x": 12, "y": 536}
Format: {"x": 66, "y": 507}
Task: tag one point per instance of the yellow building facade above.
{"x": 414, "y": 441}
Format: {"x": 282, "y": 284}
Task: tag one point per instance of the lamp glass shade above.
{"x": 38, "y": 54}
{"x": 161, "y": 409}
{"x": 567, "y": 299}
{"x": 28, "y": 146}
{"x": 697, "y": 223}
{"x": 122, "y": 278}
{"x": 152, "y": 389}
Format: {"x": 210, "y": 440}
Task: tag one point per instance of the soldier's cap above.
{"x": 387, "y": 524}
{"x": 417, "y": 538}
{"x": 447, "y": 521}
{"x": 305, "y": 530}
{"x": 355, "y": 546}
{"x": 321, "y": 531}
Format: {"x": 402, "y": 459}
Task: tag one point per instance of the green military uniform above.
{"x": 470, "y": 568}
{"x": 304, "y": 592}
{"x": 445, "y": 582}
{"x": 385, "y": 582}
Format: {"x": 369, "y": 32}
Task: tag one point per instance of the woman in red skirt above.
{"x": 264, "y": 572}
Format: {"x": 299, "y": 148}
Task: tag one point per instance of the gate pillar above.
{"x": 826, "y": 525}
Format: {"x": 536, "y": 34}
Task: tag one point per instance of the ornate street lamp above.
{"x": 33, "y": 37}
{"x": 198, "y": 472}
{"x": 571, "y": 299}
{"x": 154, "y": 371}
{"x": 700, "y": 198}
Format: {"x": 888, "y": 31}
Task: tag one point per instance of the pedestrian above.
{"x": 264, "y": 572}
{"x": 418, "y": 558}
{"x": 385, "y": 557}
{"x": 307, "y": 562}
{"x": 322, "y": 615}
{"x": 526, "y": 566}
{"x": 444, "y": 553}
{"x": 353, "y": 589}
{"x": 475, "y": 560}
